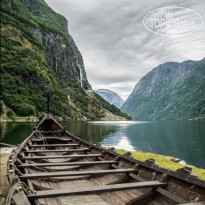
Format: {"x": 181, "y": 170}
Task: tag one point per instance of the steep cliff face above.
{"x": 39, "y": 54}
{"x": 83, "y": 77}
{"x": 169, "y": 91}
{"x": 61, "y": 51}
{"x": 111, "y": 97}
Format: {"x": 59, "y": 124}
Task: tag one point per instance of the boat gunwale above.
{"x": 187, "y": 178}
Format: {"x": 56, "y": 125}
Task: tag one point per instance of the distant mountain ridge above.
{"x": 111, "y": 97}
{"x": 170, "y": 91}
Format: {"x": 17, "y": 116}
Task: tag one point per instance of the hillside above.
{"x": 169, "y": 91}
{"x": 111, "y": 108}
{"x": 38, "y": 54}
{"x": 111, "y": 97}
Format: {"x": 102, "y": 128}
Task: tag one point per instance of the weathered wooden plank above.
{"x": 20, "y": 198}
{"x": 62, "y": 156}
{"x": 53, "y": 145}
{"x": 49, "y": 131}
{"x": 30, "y": 185}
{"x": 196, "y": 203}
{"x": 140, "y": 199}
{"x": 95, "y": 189}
{"x": 74, "y": 173}
{"x": 170, "y": 196}
{"x": 161, "y": 191}
{"x": 66, "y": 164}
{"x": 7, "y": 145}
{"x": 57, "y": 150}
{"x": 50, "y": 138}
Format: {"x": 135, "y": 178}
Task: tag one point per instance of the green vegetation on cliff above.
{"x": 25, "y": 74}
{"x": 38, "y": 55}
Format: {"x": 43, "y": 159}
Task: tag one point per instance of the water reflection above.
{"x": 15, "y": 132}
{"x": 88, "y": 131}
{"x": 118, "y": 123}
{"x": 181, "y": 139}
{"x": 117, "y": 139}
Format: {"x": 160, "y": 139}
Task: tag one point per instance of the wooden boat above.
{"x": 53, "y": 167}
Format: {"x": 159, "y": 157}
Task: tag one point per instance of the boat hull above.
{"x": 58, "y": 168}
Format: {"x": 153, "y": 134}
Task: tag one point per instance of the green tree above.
{"x": 1, "y": 107}
{"x": 10, "y": 113}
{"x": 25, "y": 109}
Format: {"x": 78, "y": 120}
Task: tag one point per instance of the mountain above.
{"x": 170, "y": 91}
{"x": 111, "y": 97}
{"x": 111, "y": 108}
{"x": 39, "y": 54}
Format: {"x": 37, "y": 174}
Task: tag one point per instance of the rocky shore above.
{"x": 4, "y": 187}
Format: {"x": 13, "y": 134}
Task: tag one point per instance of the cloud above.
{"x": 116, "y": 47}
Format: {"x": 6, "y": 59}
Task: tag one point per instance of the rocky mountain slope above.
{"x": 111, "y": 97}
{"x": 170, "y": 91}
{"x": 111, "y": 109}
{"x": 39, "y": 54}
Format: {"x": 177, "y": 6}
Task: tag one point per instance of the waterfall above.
{"x": 81, "y": 77}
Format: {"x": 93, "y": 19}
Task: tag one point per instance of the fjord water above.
{"x": 182, "y": 139}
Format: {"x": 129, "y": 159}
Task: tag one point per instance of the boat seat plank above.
{"x": 95, "y": 189}
{"x": 66, "y": 164}
{"x": 161, "y": 191}
{"x": 140, "y": 199}
{"x": 170, "y": 196}
{"x": 75, "y": 173}
{"x": 20, "y": 198}
{"x": 50, "y": 138}
{"x": 91, "y": 199}
{"x": 53, "y": 145}
{"x": 62, "y": 156}
{"x": 195, "y": 203}
{"x": 57, "y": 150}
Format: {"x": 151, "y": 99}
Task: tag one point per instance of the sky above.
{"x": 117, "y": 48}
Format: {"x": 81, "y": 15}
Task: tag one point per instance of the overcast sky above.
{"x": 117, "y": 48}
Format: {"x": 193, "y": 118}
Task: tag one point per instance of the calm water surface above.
{"x": 181, "y": 139}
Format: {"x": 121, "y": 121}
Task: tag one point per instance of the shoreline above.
{"x": 5, "y": 152}
{"x": 167, "y": 162}
{"x": 109, "y": 117}
{"x": 106, "y": 118}
{"x": 19, "y": 119}
{"x": 60, "y": 120}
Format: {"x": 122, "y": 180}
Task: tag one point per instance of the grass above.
{"x": 163, "y": 161}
